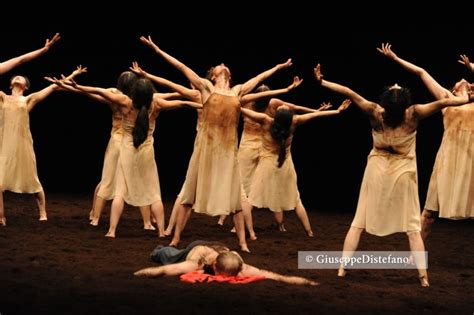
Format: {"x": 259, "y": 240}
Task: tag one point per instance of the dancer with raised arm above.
{"x": 451, "y": 188}
{"x": 388, "y": 199}
{"x": 219, "y": 191}
{"x": 137, "y": 180}
{"x": 274, "y": 183}
{"x": 8, "y": 65}
{"x": 18, "y": 171}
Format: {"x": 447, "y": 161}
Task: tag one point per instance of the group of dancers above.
{"x": 225, "y": 178}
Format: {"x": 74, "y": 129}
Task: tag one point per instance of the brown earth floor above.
{"x": 66, "y": 266}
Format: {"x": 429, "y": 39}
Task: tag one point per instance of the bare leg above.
{"x": 3, "y": 220}
{"x": 182, "y": 217}
{"x": 115, "y": 213}
{"x": 221, "y": 220}
{"x": 417, "y": 248}
{"x": 146, "y": 217}
{"x": 99, "y": 205}
{"x": 91, "y": 213}
{"x": 350, "y": 246}
{"x": 303, "y": 216}
{"x": 240, "y": 229}
{"x": 159, "y": 214}
{"x": 41, "y": 203}
{"x": 428, "y": 217}
{"x": 174, "y": 212}
{"x": 279, "y": 220}
{"x": 247, "y": 212}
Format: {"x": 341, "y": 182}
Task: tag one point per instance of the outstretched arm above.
{"x": 255, "y": 116}
{"x": 365, "y": 105}
{"x": 169, "y": 270}
{"x": 434, "y": 87}
{"x": 248, "y": 86}
{"x": 429, "y": 109}
{"x": 275, "y": 103}
{"x": 301, "y": 119}
{"x": 464, "y": 60}
{"x": 168, "y": 105}
{"x": 251, "y": 271}
{"x": 35, "y": 98}
{"x": 252, "y": 97}
{"x": 120, "y": 99}
{"x": 197, "y": 81}
{"x": 63, "y": 86}
{"x": 193, "y": 95}
{"x": 12, "y": 63}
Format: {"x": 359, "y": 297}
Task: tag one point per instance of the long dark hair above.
{"x": 142, "y": 96}
{"x": 126, "y": 81}
{"x": 395, "y": 101}
{"x": 280, "y": 131}
{"x": 262, "y": 103}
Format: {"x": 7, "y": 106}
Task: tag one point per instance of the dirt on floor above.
{"x": 66, "y": 266}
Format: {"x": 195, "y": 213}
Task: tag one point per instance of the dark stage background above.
{"x": 71, "y": 132}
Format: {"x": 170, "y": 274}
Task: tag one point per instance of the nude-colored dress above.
{"x": 112, "y": 153}
{"x": 137, "y": 175}
{"x": 274, "y": 187}
{"x": 17, "y": 158}
{"x": 388, "y": 199}
{"x": 198, "y": 126}
{"x": 249, "y": 152}
{"x": 451, "y": 188}
{"x": 212, "y": 183}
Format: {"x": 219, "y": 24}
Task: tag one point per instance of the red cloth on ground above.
{"x": 199, "y": 277}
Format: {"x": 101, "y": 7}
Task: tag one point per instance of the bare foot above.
{"x": 253, "y": 237}
{"x": 341, "y": 272}
{"x": 244, "y": 248}
{"x": 424, "y": 281}
{"x": 310, "y": 233}
{"x": 94, "y": 222}
{"x": 233, "y": 230}
{"x": 43, "y": 218}
{"x": 110, "y": 234}
{"x": 281, "y": 227}
{"x": 168, "y": 232}
{"x": 91, "y": 215}
{"x": 3, "y": 222}
{"x": 149, "y": 227}
{"x": 174, "y": 242}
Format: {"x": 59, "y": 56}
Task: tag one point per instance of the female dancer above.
{"x": 388, "y": 199}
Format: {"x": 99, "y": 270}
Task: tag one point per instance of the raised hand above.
{"x": 79, "y": 70}
{"x": 345, "y": 104}
{"x": 67, "y": 81}
{"x": 286, "y": 64}
{"x": 148, "y": 41}
{"x": 52, "y": 80}
{"x": 464, "y": 60}
{"x": 386, "y": 49}
{"x": 324, "y": 106}
{"x": 317, "y": 73}
{"x": 56, "y": 81}
{"x": 296, "y": 81}
{"x": 135, "y": 68}
{"x": 51, "y": 42}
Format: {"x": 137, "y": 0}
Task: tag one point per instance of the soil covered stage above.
{"x": 66, "y": 266}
